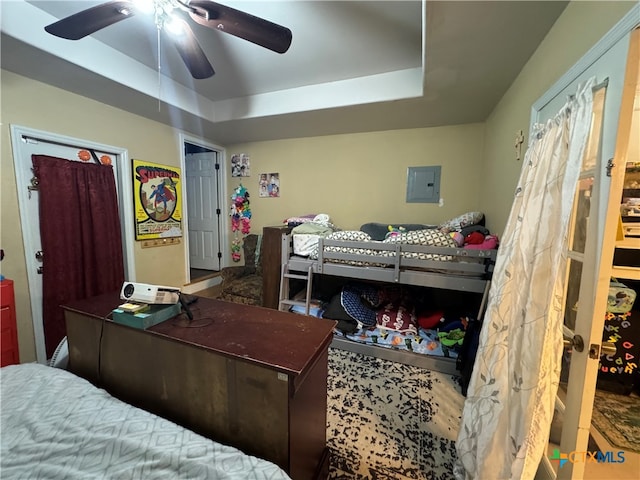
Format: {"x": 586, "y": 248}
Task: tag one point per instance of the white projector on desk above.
{"x": 151, "y": 294}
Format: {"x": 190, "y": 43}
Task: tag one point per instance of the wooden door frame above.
{"x": 608, "y": 208}
{"x": 224, "y": 206}
{"x": 125, "y": 205}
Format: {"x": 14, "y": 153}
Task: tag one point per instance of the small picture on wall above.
{"x": 240, "y": 165}
{"x": 269, "y": 185}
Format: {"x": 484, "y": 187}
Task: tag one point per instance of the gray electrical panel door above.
{"x": 423, "y": 184}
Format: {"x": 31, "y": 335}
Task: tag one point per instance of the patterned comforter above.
{"x": 57, "y": 425}
{"x": 363, "y": 245}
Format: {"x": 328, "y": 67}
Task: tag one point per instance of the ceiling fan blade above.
{"x": 91, "y": 20}
{"x": 191, "y": 52}
{"x": 241, "y": 24}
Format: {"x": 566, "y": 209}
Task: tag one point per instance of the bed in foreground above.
{"x": 57, "y": 425}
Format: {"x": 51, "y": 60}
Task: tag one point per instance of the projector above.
{"x": 152, "y": 294}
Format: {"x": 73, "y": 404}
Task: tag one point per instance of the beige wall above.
{"x": 361, "y": 178}
{"x": 35, "y": 105}
{"x": 577, "y": 30}
{"x": 354, "y": 178}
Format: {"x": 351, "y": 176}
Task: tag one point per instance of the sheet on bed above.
{"x": 426, "y": 342}
{"x": 57, "y": 425}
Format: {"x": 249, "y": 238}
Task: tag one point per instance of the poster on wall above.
{"x": 156, "y": 200}
{"x": 240, "y": 165}
{"x": 269, "y": 185}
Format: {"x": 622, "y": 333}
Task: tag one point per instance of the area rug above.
{"x": 387, "y": 420}
{"x": 617, "y": 418}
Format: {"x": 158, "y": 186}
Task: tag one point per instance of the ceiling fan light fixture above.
{"x": 145, "y": 6}
{"x": 174, "y": 25}
{"x": 204, "y": 12}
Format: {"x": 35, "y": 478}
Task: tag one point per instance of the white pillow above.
{"x": 458, "y": 223}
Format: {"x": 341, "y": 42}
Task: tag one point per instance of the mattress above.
{"x": 57, "y": 425}
{"x": 426, "y": 342}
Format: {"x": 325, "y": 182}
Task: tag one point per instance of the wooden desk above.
{"x": 255, "y": 378}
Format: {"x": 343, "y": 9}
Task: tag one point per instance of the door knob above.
{"x": 595, "y": 350}
{"x": 608, "y": 348}
{"x": 576, "y": 343}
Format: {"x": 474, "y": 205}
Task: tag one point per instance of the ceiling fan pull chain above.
{"x": 159, "y": 67}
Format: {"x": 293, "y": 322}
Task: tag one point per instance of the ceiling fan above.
{"x": 205, "y": 12}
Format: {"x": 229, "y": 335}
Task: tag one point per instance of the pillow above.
{"x": 461, "y": 221}
{"x": 378, "y": 231}
{"x": 474, "y": 228}
{"x": 397, "y": 318}
{"x": 490, "y": 242}
{"x": 430, "y": 320}
{"x": 458, "y": 238}
{"x": 621, "y": 298}
{"x": 356, "y": 300}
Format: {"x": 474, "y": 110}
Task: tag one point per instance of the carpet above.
{"x": 387, "y": 420}
{"x": 617, "y": 418}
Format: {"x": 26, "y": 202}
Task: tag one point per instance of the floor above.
{"x": 437, "y": 470}
{"x": 628, "y": 470}
{"x": 390, "y": 421}
{"x": 198, "y": 274}
{"x": 212, "y": 292}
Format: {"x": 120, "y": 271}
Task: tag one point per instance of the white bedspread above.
{"x": 55, "y": 425}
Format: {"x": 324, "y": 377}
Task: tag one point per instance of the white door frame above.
{"x": 616, "y": 34}
{"x": 224, "y": 224}
{"x": 23, "y": 180}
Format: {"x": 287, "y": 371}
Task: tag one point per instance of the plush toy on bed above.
{"x": 394, "y": 231}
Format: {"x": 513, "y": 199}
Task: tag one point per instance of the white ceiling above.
{"x": 353, "y": 66}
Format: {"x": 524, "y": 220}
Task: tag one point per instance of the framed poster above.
{"x": 156, "y": 200}
{"x": 269, "y": 185}
{"x": 240, "y": 165}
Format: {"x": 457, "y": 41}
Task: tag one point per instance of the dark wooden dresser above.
{"x": 9, "y": 351}
{"x": 271, "y": 264}
{"x": 254, "y": 378}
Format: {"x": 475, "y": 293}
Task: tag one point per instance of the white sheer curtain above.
{"x": 507, "y": 414}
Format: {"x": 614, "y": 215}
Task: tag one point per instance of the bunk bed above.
{"x": 422, "y": 258}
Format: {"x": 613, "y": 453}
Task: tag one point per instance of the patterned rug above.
{"x": 387, "y": 420}
{"x": 617, "y": 418}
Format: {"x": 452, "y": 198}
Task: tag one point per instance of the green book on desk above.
{"x": 152, "y": 316}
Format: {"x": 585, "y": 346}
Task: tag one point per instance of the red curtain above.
{"x": 80, "y": 237}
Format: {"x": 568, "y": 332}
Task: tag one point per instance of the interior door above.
{"x": 203, "y": 209}
{"x": 27, "y": 142}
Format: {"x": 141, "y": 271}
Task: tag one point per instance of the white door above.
{"x": 203, "y": 209}
{"x": 27, "y": 142}
{"x": 588, "y": 278}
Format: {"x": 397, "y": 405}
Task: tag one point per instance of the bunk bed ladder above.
{"x": 286, "y": 302}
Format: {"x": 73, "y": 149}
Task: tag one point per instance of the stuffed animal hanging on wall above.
{"x": 240, "y": 219}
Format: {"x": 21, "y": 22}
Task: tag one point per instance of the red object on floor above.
{"x": 9, "y": 354}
